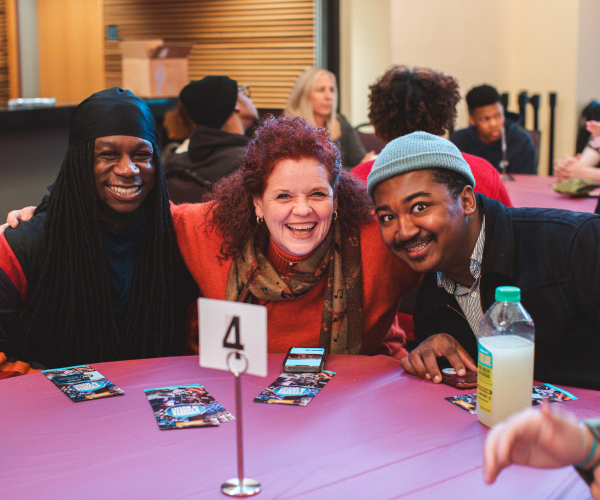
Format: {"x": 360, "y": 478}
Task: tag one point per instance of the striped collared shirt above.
{"x": 468, "y": 298}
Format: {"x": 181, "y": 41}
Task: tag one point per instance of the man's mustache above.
{"x": 417, "y": 240}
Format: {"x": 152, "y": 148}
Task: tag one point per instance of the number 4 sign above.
{"x": 227, "y": 327}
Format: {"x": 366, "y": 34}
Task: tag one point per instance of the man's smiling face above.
{"x": 124, "y": 171}
{"x": 423, "y": 223}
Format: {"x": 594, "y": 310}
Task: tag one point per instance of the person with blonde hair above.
{"x": 315, "y": 98}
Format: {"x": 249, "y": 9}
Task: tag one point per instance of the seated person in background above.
{"x": 315, "y": 98}
{"x": 468, "y": 245}
{"x": 222, "y": 113}
{"x": 549, "y": 438}
{"x": 294, "y": 232}
{"x": 483, "y": 137}
{"x": 405, "y": 101}
{"x": 176, "y": 130}
{"x": 584, "y": 166}
{"x": 98, "y": 277}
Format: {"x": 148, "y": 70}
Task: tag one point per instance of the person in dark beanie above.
{"x": 483, "y": 136}
{"x": 222, "y": 112}
{"x": 98, "y": 276}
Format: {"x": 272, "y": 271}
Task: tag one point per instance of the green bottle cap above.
{"x": 508, "y": 294}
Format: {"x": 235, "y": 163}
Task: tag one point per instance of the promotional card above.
{"x": 182, "y": 406}
{"x": 296, "y": 389}
{"x": 82, "y": 383}
{"x": 541, "y": 392}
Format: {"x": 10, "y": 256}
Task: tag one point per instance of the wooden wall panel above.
{"x": 4, "y": 79}
{"x": 70, "y": 48}
{"x": 262, "y": 43}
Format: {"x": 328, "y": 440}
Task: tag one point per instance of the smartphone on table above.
{"x": 467, "y": 381}
{"x": 304, "y": 360}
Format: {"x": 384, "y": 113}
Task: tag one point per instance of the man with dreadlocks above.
{"x": 98, "y": 277}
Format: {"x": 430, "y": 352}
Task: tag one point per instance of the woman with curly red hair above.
{"x": 292, "y": 231}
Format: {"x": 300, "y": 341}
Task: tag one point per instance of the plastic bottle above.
{"x": 505, "y": 358}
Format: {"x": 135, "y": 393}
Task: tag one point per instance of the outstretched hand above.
{"x": 549, "y": 438}
{"x": 422, "y": 360}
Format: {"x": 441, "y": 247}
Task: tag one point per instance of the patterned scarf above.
{"x": 252, "y": 275}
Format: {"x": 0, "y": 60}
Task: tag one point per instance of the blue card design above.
{"x": 296, "y": 389}
{"x": 82, "y": 383}
{"x": 182, "y": 406}
{"x": 542, "y": 392}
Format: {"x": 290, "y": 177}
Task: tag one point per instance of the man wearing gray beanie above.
{"x": 467, "y": 245}
{"x": 222, "y": 112}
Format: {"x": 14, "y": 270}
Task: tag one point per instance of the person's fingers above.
{"x": 13, "y": 218}
{"x": 3, "y": 228}
{"x": 490, "y": 461}
{"x": 431, "y": 365}
{"x": 452, "y": 355}
{"x": 466, "y": 358}
{"x": 416, "y": 360}
{"x": 407, "y": 366}
{"x": 26, "y": 214}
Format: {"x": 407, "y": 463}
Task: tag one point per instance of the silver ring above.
{"x": 240, "y": 353}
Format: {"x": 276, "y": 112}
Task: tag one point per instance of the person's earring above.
{"x": 335, "y": 215}
{"x": 259, "y": 221}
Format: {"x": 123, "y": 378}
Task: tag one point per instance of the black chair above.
{"x": 370, "y": 141}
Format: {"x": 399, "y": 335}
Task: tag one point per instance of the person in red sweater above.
{"x": 292, "y": 231}
{"x": 405, "y": 101}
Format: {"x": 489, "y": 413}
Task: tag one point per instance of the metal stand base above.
{"x": 507, "y": 177}
{"x": 249, "y": 488}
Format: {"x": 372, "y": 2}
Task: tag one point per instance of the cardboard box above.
{"x": 151, "y": 68}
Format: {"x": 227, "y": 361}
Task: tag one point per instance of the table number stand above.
{"x": 240, "y": 486}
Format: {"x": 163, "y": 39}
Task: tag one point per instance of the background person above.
{"x": 547, "y": 438}
{"x": 98, "y": 277}
{"x": 403, "y": 101}
{"x": 315, "y": 98}
{"x": 583, "y": 166}
{"x": 483, "y": 135}
{"x": 221, "y": 112}
{"x": 292, "y": 231}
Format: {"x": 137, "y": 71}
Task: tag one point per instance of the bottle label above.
{"x": 485, "y": 362}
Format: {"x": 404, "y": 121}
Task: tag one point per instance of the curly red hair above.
{"x": 281, "y": 138}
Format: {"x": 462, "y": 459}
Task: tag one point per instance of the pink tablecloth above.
{"x": 372, "y": 433}
{"x": 536, "y": 191}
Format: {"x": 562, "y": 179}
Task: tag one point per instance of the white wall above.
{"x": 588, "y": 61}
{"x": 540, "y": 46}
{"x": 365, "y": 53}
{"x": 28, "y": 48}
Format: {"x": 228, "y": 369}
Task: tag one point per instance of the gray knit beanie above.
{"x": 417, "y": 151}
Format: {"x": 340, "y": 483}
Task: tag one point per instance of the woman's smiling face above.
{"x": 297, "y": 205}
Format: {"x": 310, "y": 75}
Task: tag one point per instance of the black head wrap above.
{"x": 112, "y": 112}
{"x": 210, "y": 101}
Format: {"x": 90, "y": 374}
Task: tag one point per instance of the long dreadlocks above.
{"x": 71, "y": 316}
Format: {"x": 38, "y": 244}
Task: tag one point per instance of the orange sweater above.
{"x": 298, "y": 322}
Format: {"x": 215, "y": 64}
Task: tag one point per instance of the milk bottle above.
{"x": 504, "y": 358}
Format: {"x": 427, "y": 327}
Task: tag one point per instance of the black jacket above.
{"x": 212, "y": 154}
{"x": 520, "y": 151}
{"x": 553, "y": 256}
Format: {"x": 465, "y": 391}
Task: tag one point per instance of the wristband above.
{"x": 580, "y": 465}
